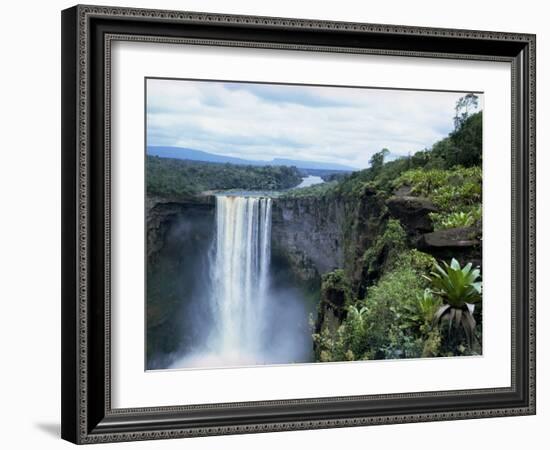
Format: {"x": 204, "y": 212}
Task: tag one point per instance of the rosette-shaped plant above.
{"x": 459, "y": 289}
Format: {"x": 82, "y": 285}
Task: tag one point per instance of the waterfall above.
{"x": 240, "y": 277}
{"x": 240, "y": 318}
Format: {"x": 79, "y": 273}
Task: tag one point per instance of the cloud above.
{"x": 265, "y": 121}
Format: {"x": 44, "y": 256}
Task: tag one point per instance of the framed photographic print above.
{"x": 267, "y": 222}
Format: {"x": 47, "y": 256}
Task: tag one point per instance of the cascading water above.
{"x": 240, "y": 271}
{"x": 245, "y": 320}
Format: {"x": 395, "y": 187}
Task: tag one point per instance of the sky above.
{"x": 265, "y": 121}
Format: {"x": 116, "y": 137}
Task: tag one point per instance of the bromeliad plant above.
{"x": 459, "y": 289}
{"x": 420, "y": 314}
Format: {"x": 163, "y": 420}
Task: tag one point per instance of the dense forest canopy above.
{"x": 167, "y": 177}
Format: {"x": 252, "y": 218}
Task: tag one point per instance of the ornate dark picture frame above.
{"x": 87, "y": 34}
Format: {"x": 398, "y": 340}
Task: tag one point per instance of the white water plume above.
{"x": 250, "y": 322}
{"x": 240, "y": 270}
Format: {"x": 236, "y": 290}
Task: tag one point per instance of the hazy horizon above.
{"x": 336, "y": 125}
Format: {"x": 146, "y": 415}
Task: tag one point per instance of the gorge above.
{"x": 311, "y": 237}
{"x": 229, "y": 313}
{"x": 238, "y": 276}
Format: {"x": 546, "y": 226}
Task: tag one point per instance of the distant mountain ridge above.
{"x": 199, "y": 155}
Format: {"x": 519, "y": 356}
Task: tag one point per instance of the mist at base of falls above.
{"x": 247, "y": 310}
{"x": 288, "y": 341}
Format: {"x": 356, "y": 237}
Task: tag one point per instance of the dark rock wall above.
{"x": 319, "y": 235}
{"x": 307, "y": 232}
{"x": 179, "y": 235}
{"x": 161, "y": 214}
{"x": 310, "y": 236}
{"x": 413, "y": 213}
{"x": 463, "y": 244}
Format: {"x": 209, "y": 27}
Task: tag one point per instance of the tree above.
{"x": 377, "y": 160}
{"x": 463, "y": 108}
{"x": 468, "y": 141}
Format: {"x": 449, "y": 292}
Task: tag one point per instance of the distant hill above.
{"x": 199, "y": 155}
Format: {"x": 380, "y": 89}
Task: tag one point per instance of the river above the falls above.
{"x": 310, "y": 180}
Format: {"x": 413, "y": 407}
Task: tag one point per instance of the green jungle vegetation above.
{"x": 405, "y": 303}
{"x": 398, "y": 302}
{"x": 167, "y": 177}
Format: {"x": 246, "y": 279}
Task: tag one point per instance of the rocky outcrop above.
{"x": 463, "y": 244}
{"x": 412, "y": 212}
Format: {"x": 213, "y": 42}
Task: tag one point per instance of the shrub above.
{"x": 456, "y": 219}
{"x": 448, "y": 189}
{"x": 386, "y": 248}
{"x": 336, "y": 284}
{"x": 420, "y": 314}
{"x": 384, "y": 324}
{"x": 456, "y": 192}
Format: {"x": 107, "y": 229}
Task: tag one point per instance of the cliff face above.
{"x": 163, "y": 213}
{"x": 179, "y": 235}
{"x": 307, "y": 232}
{"x": 311, "y": 237}
{"x": 317, "y": 235}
